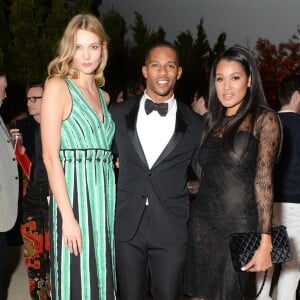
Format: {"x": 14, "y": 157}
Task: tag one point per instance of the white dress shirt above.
{"x": 154, "y": 130}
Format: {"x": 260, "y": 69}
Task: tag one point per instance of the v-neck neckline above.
{"x": 89, "y": 104}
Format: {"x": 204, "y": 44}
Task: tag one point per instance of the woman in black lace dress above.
{"x": 236, "y": 157}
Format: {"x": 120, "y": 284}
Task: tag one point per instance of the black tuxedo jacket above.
{"x": 164, "y": 184}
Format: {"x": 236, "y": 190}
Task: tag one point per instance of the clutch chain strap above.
{"x": 260, "y": 289}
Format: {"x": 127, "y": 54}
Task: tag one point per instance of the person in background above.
{"x": 35, "y": 219}
{"x": 131, "y": 89}
{"x": 199, "y": 102}
{"x": 77, "y": 133}
{"x": 156, "y": 136}
{"x": 238, "y": 151}
{"x": 9, "y": 187}
{"x": 287, "y": 188}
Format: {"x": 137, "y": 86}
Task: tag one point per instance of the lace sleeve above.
{"x": 269, "y": 137}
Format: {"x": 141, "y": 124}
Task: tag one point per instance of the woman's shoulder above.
{"x": 55, "y": 83}
{"x": 57, "y": 94}
{"x": 268, "y": 121}
{"x": 267, "y": 116}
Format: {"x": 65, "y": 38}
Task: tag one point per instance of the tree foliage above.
{"x": 277, "y": 61}
{"x": 116, "y": 29}
{"x": 24, "y": 48}
{"x": 58, "y": 16}
{"x": 31, "y": 29}
{"x": 143, "y": 37}
{"x": 4, "y": 36}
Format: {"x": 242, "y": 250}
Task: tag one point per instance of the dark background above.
{"x": 30, "y": 31}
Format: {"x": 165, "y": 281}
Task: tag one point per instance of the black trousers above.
{"x": 166, "y": 262}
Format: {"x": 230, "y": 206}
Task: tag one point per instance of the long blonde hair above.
{"x": 61, "y": 66}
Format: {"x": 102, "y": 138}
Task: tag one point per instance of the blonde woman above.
{"x": 77, "y": 133}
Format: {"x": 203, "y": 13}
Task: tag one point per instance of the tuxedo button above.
{"x": 149, "y": 173}
{"x": 143, "y": 196}
{"x": 14, "y": 159}
{"x": 16, "y": 177}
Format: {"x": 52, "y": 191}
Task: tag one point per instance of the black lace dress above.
{"x": 235, "y": 195}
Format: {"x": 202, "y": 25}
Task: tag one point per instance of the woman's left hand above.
{"x": 262, "y": 259}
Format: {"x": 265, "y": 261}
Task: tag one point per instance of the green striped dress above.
{"x": 87, "y": 162}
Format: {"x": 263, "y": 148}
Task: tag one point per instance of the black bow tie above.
{"x": 161, "y": 108}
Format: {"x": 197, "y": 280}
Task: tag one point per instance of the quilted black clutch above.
{"x": 243, "y": 245}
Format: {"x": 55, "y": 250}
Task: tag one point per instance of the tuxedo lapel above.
{"x": 180, "y": 128}
{"x": 131, "y": 119}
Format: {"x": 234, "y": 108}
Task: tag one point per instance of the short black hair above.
{"x": 202, "y": 91}
{"x": 158, "y": 44}
{"x": 287, "y": 87}
{"x": 33, "y": 85}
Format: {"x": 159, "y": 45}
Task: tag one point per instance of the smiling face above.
{"x": 88, "y": 52}
{"x": 161, "y": 72}
{"x": 231, "y": 83}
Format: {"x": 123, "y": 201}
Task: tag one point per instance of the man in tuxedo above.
{"x": 155, "y": 139}
{"x": 9, "y": 186}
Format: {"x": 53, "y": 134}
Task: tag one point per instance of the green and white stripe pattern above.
{"x": 87, "y": 163}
